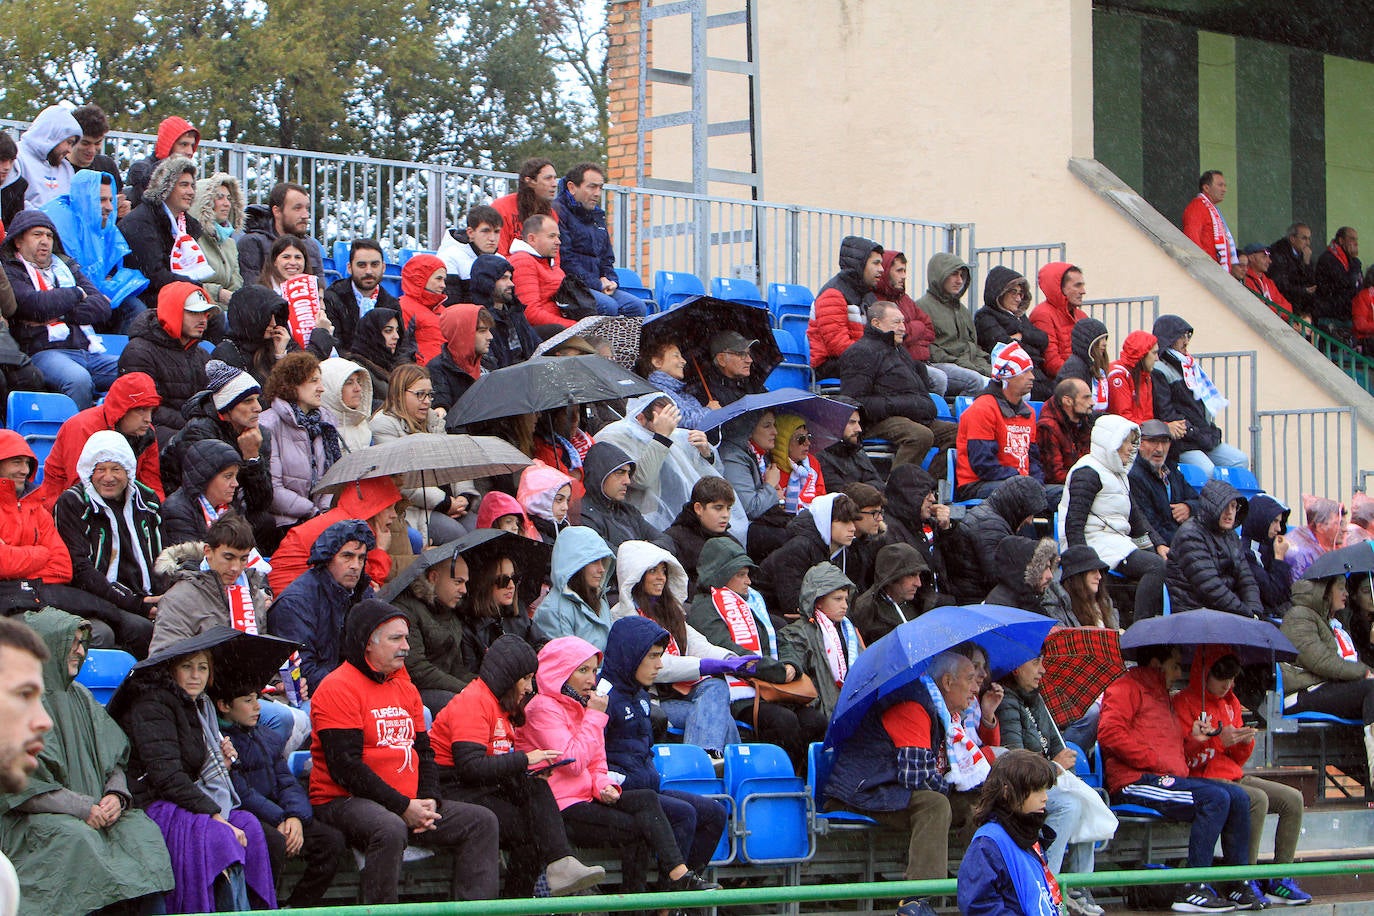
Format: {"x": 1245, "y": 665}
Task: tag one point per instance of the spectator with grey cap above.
{"x": 1258, "y": 262}
{"x": 1164, "y": 497}
{"x": 727, "y": 378}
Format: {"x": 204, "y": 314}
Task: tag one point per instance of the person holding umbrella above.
{"x": 663, "y": 366}
{"x": 1327, "y": 675}
{"x": 729, "y": 376}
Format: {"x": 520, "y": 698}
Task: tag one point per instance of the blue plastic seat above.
{"x": 961, "y": 404}
{"x": 104, "y": 671}
{"x": 796, "y": 325}
{"x": 341, "y": 256}
{"x": 773, "y": 809}
{"x": 1083, "y": 768}
{"x": 38, "y": 413}
{"x": 114, "y": 343}
{"x": 789, "y": 299}
{"x": 1130, "y": 813}
{"x": 1036, "y": 406}
{"x": 408, "y": 253}
{"x": 299, "y": 762}
{"x": 207, "y": 346}
{"x": 795, "y": 369}
{"x": 735, "y": 289}
{"x": 1243, "y": 479}
{"x": 942, "y": 411}
{"x": 1309, "y": 717}
{"x": 1196, "y": 476}
{"x": 633, "y": 284}
{"x": 951, "y": 481}
{"x": 688, "y": 768}
{"x": 672, "y": 287}
{"x": 819, "y": 762}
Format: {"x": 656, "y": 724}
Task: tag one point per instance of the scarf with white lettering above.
{"x": 967, "y": 765}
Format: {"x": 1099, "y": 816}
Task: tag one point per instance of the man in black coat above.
{"x": 165, "y": 344}
{"x": 915, "y": 516}
{"x": 489, "y": 285}
{"x": 845, "y": 462}
{"x": 1339, "y": 272}
{"x": 1292, "y": 270}
{"x": 607, "y": 472}
{"x": 892, "y": 389}
{"x": 353, "y": 296}
{"x": 1207, "y": 564}
{"x": 287, "y": 213}
{"x": 148, "y": 228}
{"x": 1157, "y": 488}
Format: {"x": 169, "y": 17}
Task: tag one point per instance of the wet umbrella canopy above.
{"x": 825, "y": 418}
{"x": 530, "y": 557}
{"x": 240, "y": 658}
{"x": 425, "y": 460}
{"x": 544, "y": 383}
{"x": 1255, "y": 641}
{"x": 692, "y": 324}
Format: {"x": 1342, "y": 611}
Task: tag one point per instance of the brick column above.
{"x": 622, "y": 154}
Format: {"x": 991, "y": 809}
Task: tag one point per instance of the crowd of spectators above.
{"x": 721, "y": 578}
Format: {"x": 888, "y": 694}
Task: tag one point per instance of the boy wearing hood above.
{"x": 824, "y": 641}
{"x": 165, "y": 346}
{"x": 56, "y": 309}
{"x": 634, "y": 657}
{"x": 841, "y": 306}
{"x": 1266, "y": 550}
{"x": 513, "y": 338}
{"x": 893, "y": 599}
{"x": 1063, "y": 288}
{"x": 585, "y": 250}
{"x": 914, "y": 515}
{"x": 606, "y": 508}
{"x": 128, "y": 410}
{"x": 373, "y": 774}
{"x": 822, "y": 533}
{"x": 175, "y": 137}
{"x": 311, "y": 611}
{"x": 467, "y": 338}
{"x": 1088, "y": 360}
{"x": 1207, "y": 563}
{"x": 955, "y": 350}
{"x": 43, "y": 153}
{"x": 1003, "y": 319}
{"x": 1183, "y": 393}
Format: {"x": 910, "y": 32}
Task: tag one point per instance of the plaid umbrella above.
{"x": 621, "y": 332}
{"x": 1079, "y": 664}
{"x": 425, "y": 460}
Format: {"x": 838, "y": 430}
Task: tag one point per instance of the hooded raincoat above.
{"x": 99, "y": 249}
{"x": 458, "y": 364}
{"x": 30, "y": 547}
{"x": 875, "y": 612}
{"x": 420, "y": 308}
{"x": 1086, "y": 333}
{"x": 53, "y": 125}
{"x": 666, "y": 467}
{"x": 352, "y": 424}
{"x": 555, "y": 720}
{"x": 1130, "y": 396}
{"x": 563, "y": 612}
{"x": 539, "y": 484}
{"x": 803, "y": 642}
{"x": 1207, "y": 565}
{"x": 1055, "y": 317}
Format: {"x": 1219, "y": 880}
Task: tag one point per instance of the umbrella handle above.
{"x": 702, "y": 376}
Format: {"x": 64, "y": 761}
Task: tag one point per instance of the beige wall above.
{"x": 969, "y": 112}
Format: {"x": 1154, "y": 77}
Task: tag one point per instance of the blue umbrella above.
{"x": 1009, "y": 636}
{"x": 1255, "y": 641}
{"x": 825, "y": 418}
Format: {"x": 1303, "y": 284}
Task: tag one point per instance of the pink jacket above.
{"x": 554, "y": 720}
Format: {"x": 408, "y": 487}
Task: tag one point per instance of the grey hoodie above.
{"x": 53, "y": 125}
{"x": 956, "y": 338}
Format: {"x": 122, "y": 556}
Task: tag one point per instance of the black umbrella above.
{"x": 530, "y": 557}
{"x": 1357, "y": 558}
{"x": 544, "y": 383}
{"x": 239, "y": 658}
{"x": 692, "y": 324}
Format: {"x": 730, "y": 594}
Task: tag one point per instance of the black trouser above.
{"x": 132, "y": 632}
{"x": 634, "y": 824}
{"x": 532, "y": 831}
{"x": 791, "y": 728}
{"x": 1146, "y": 568}
{"x": 321, "y": 851}
{"x": 435, "y": 699}
{"x": 697, "y": 824}
{"x": 382, "y": 836}
{"x": 1347, "y": 699}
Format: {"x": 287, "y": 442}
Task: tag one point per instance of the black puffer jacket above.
{"x": 973, "y": 566}
{"x": 1080, "y": 364}
{"x": 884, "y": 379}
{"x": 844, "y": 463}
{"x": 149, "y": 233}
{"x": 1273, "y": 577}
{"x": 907, "y": 489}
{"x": 996, "y": 325}
{"x": 513, "y": 338}
{"x": 688, "y": 538}
{"x": 166, "y": 743}
{"x": 854, "y": 253}
{"x": 342, "y": 308}
{"x": 1207, "y": 566}
{"x": 177, "y": 371}
{"x": 779, "y": 577}
{"x": 1021, "y": 563}
{"x": 183, "y": 520}
{"x": 616, "y": 521}
{"x": 1173, "y": 399}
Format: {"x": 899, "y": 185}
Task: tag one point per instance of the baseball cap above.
{"x": 197, "y": 302}
{"x": 730, "y": 342}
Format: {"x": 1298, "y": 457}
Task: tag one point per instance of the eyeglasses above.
{"x": 505, "y": 581}
{"x": 422, "y": 395}
{"x": 872, "y": 513}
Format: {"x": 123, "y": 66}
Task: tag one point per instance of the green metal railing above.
{"x": 1349, "y": 360}
{"x": 813, "y": 893}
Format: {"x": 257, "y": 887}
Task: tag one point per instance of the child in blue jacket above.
{"x": 1004, "y": 871}
{"x": 634, "y": 656}
{"x": 269, "y": 792}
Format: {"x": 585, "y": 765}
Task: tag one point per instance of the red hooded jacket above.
{"x": 459, "y": 326}
{"x": 30, "y": 547}
{"x": 920, "y": 330}
{"x": 134, "y": 389}
{"x": 1210, "y": 759}
{"x": 420, "y": 308}
{"x": 1054, "y": 317}
{"x": 168, "y": 132}
{"x": 370, "y": 496}
{"x": 1125, "y": 397}
{"x": 1137, "y": 731}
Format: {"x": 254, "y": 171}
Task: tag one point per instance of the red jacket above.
{"x": 1125, "y": 396}
{"x": 920, "y": 330}
{"x": 509, "y": 208}
{"x": 1012, "y": 437}
{"x": 1362, "y": 312}
{"x": 1265, "y": 288}
{"x": 1054, "y": 317}
{"x": 30, "y": 547}
{"x": 474, "y": 716}
{"x": 422, "y": 308}
{"x": 363, "y": 501}
{"x": 832, "y": 328}
{"x": 537, "y": 280}
{"x": 1137, "y": 732}
{"x": 134, "y": 389}
{"x": 1210, "y": 759}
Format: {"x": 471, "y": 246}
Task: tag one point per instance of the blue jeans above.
{"x": 961, "y": 380}
{"x": 78, "y": 373}
{"x": 1062, "y": 814}
{"x": 124, "y": 315}
{"x": 704, "y": 715}
{"x": 619, "y": 303}
{"x": 1216, "y": 809}
{"x": 290, "y": 725}
{"x": 1225, "y": 455}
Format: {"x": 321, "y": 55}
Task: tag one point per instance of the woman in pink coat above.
{"x": 569, "y": 715}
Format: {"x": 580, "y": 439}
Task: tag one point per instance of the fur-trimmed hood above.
{"x": 165, "y": 177}
{"x": 204, "y": 207}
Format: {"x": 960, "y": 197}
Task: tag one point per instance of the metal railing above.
{"x": 1307, "y": 450}
{"x": 1122, "y": 316}
{"x": 1349, "y": 360}
{"x": 1024, "y": 259}
{"x": 1236, "y": 375}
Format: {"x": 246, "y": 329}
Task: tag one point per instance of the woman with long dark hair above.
{"x": 380, "y": 345}
{"x": 536, "y": 188}
{"x": 287, "y": 259}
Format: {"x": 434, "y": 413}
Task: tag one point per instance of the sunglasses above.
{"x": 801, "y": 438}
{"x": 504, "y": 581}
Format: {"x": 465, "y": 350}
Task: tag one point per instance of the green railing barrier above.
{"x": 811, "y": 893}
{"x": 1349, "y": 360}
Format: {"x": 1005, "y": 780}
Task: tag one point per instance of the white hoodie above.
{"x": 51, "y": 127}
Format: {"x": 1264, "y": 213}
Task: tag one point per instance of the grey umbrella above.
{"x": 621, "y": 332}
{"x": 543, "y": 383}
{"x": 425, "y": 460}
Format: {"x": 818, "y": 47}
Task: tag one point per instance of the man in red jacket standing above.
{"x": 1142, "y": 750}
{"x": 1063, "y": 288}
{"x": 1204, "y": 224}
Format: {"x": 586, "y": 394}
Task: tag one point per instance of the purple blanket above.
{"x": 202, "y": 847}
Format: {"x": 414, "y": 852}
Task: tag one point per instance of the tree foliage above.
{"x": 466, "y": 82}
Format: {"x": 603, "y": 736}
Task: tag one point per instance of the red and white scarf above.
{"x": 1344, "y": 643}
{"x": 1222, "y": 241}
{"x": 212, "y": 514}
{"x": 1340, "y": 255}
{"x": 838, "y": 648}
{"x": 187, "y": 258}
{"x": 682, "y": 687}
{"x": 744, "y": 632}
{"x": 302, "y": 295}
